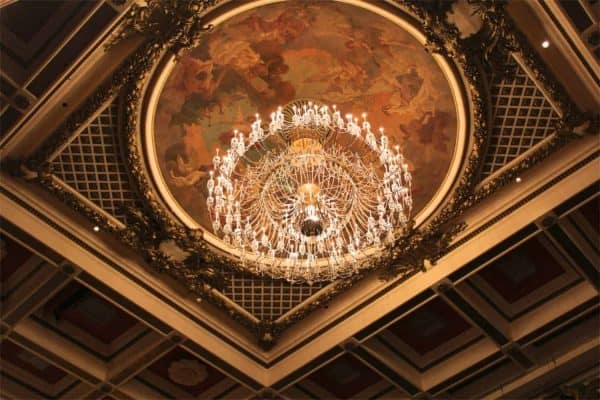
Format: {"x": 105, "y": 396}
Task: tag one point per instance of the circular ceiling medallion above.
{"x": 187, "y": 372}
{"x": 265, "y": 54}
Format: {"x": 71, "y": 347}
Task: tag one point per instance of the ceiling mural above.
{"x": 329, "y": 52}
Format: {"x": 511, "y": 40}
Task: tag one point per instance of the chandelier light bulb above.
{"x": 310, "y": 196}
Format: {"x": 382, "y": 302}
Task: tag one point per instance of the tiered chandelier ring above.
{"x": 310, "y": 196}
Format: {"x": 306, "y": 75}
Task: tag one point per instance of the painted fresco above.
{"x": 330, "y": 52}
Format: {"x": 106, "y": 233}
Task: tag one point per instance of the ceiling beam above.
{"x": 551, "y": 310}
{"x": 33, "y": 293}
{"x": 574, "y": 247}
{"x": 383, "y": 369}
{"x": 471, "y": 313}
{"x": 79, "y": 391}
{"x": 137, "y": 390}
{"x": 13, "y": 390}
{"x": 378, "y": 350}
{"x": 504, "y": 391}
{"x": 137, "y": 357}
{"x": 58, "y": 351}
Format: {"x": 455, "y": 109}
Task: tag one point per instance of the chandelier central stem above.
{"x": 308, "y": 194}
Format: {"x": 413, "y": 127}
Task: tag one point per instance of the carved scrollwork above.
{"x": 494, "y": 42}
{"x": 174, "y": 24}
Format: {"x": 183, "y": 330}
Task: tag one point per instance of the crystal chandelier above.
{"x": 310, "y": 196}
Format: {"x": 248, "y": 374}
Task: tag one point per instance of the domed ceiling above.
{"x": 332, "y": 52}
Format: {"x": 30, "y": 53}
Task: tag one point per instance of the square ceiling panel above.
{"x": 35, "y": 376}
{"x": 522, "y": 270}
{"x": 524, "y": 277}
{"x": 90, "y": 321}
{"x": 12, "y": 256}
{"x": 37, "y": 16}
{"x": 29, "y": 33}
{"x": 29, "y": 362}
{"x": 82, "y": 308}
{"x": 345, "y": 377}
{"x": 430, "y": 326}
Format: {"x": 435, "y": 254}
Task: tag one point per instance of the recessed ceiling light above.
{"x": 96, "y": 228}
{"x": 545, "y": 44}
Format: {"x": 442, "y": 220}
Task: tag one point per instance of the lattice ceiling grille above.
{"x": 522, "y": 118}
{"x": 92, "y": 165}
{"x": 267, "y": 299}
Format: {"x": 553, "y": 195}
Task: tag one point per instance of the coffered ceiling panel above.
{"x": 14, "y": 258}
{"x": 344, "y": 377}
{"x": 429, "y": 326}
{"x": 31, "y": 363}
{"x": 92, "y": 322}
{"x": 524, "y": 277}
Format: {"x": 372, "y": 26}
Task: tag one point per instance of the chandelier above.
{"x": 310, "y": 196}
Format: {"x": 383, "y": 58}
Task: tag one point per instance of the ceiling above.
{"x": 504, "y": 306}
